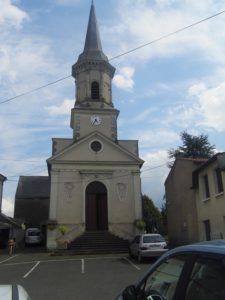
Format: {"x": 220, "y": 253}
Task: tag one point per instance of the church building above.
{"x": 94, "y": 177}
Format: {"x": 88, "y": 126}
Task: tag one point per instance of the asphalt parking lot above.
{"x": 70, "y": 277}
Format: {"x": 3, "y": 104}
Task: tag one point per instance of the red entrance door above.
{"x": 96, "y": 207}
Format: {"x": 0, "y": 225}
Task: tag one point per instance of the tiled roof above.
{"x": 33, "y": 187}
{"x": 5, "y": 221}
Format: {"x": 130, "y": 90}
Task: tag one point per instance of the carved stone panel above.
{"x": 122, "y": 191}
{"x": 69, "y": 191}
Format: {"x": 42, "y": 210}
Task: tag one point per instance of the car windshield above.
{"x": 153, "y": 239}
{"x": 33, "y": 233}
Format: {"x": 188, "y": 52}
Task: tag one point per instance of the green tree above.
{"x": 151, "y": 215}
{"x": 194, "y": 146}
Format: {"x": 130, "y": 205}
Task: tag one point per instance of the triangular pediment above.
{"x": 83, "y": 151}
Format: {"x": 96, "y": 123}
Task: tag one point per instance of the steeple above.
{"x": 92, "y": 72}
{"x": 93, "y": 46}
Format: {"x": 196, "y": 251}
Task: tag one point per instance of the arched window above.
{"x": 95, "y": 90}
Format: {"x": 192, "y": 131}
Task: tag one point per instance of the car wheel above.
{"x": 139, "y": 257}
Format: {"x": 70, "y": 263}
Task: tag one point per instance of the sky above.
{"x": 173, "y": 85}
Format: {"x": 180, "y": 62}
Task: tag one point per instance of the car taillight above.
{"x": 143, "y": 248}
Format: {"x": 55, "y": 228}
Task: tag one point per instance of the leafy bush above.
{"x": 62, "y": 229}
{"x": 140, "y": 224}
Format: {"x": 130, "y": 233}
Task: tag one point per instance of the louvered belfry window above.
{"x": 95, "y": 90}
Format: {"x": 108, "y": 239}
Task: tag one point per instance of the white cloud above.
{"x": 124, "y": 78}
{"x": 8, "y": 206}
{"x": 62, "y": 109}
{"x": 153, "y": 175}
{"x": 154, "y": 160}
{"x": 27, "y": 62}
{"x": 211, "y": 105}
{"x": 22, "y": 57}
{"x": 182, "y": 115}
{"x": 197, "y": 89}
{"x": 140, "y": 22}
{"x": 164, "y": 3}
{"x": 11, "y": 15}
{"x": 157, "y": 137}
{"x": 145, "y": 115}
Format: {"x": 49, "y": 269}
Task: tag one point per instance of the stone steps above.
{"x": 98, "y": 242}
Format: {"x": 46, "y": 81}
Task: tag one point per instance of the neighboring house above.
{"x": 4, "y": 229}
{"x": 9, "y": 227}
{"x": 32, "y": 201}
{"x": 180, "y": 202}
{"x": 209, "y": 185}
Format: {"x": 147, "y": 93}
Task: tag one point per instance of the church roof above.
{"x": 33, "y": 187}
{"x": 75, "y": 153}
{"x": 93, "y": 46}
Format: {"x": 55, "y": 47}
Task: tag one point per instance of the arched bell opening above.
{"x": 95, "y": 90}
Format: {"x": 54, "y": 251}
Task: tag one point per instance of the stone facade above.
{"x": 181, "y": 205}
{"x": 195, "y": 200}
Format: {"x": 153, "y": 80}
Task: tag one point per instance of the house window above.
{"x": 95, "y": 90}
{"x": 218, "y": 181}
{"x": 205, "y": 183}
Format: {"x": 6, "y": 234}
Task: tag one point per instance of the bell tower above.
{"x": 93, "y": 110}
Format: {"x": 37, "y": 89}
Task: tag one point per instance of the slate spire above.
{"x": 92, "y": 41}
{"x": 93, "y": 46}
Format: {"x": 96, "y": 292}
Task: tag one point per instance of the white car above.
{"x": 13, "y": 292}
{"x": 33, "y": 236}
{"x": 147, "y": 245}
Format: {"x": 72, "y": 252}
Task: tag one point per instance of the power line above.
{"x": 34, "y": 90}
{"x": 118, "y": 56}
{"x": 25, "y": 161}
{"x": 28, "y": 172}
{"x": 99, "y": 178}
{"x": 169, "y": 34}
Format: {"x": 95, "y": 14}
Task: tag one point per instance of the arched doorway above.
{"x": 96, "y": 208}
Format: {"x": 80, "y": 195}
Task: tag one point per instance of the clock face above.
{"x": 96, "y": 120}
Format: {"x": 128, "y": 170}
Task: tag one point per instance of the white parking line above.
{"x": 11, "y": 257}
{"x": 19, "y": 263}
{"x": 31, "y": 270}
{"x": 102, "y": 257}
{"x": 68, "y": 259}
{"x": 132, "y": 264}
{"x": 82, "y": 266}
